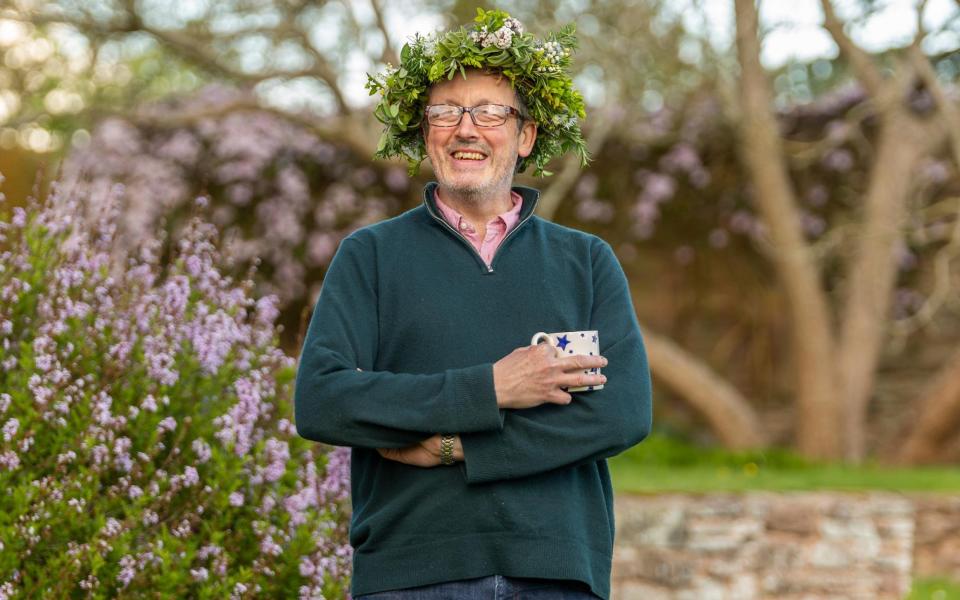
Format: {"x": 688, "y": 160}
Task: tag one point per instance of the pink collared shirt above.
{"x": 497, "y": 228}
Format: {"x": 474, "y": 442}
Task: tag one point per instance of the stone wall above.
{"x": 784, "y": 546}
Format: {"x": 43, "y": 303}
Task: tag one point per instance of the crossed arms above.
{"x": 512, "y": 417}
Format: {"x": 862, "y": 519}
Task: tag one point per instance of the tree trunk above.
{"x": 872, "y": 272}
{"x": 939, "y": 416}
{"x": 726, "y": 411}
{"x": 819, "y": 411}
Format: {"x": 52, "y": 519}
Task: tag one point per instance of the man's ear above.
{"x": 527, "y": 135}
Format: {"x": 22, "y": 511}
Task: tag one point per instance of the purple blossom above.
{"x": 19, "y": 217}
{"x": 682, "y": 158}
{"x": 10, "y": 429}
{"x": 202, "y": 450}
{"x": 150, "y": 322}
{"x": 840, "y": 160}
{"x": 190, "y": 477}
{"x": 9, "y": 460}
{"x": 127, "y": 571}
{"x": 718, "y": 238}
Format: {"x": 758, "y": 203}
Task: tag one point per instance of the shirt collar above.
{"x": 455, "y": 219}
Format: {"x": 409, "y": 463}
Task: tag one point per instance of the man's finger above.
{"x": 582, "y": 379}
{"x": 582, "y": 362}
{"x": 547, "y": 349}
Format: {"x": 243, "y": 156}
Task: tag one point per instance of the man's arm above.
{"x": 527, "y": 377}
{"x": 596, "y": 424}
{"x": 338, "y": 404}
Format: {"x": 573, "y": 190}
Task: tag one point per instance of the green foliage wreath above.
{"x": 537, "y": 69}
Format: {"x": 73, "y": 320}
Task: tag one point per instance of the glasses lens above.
{"x": 443, "y": 116}
{"x": 490, "y": 115}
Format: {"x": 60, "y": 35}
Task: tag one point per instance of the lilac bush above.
{"x": 280, "y": 194}
{"x": 146, "y": 442}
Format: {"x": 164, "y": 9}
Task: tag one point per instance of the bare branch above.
{"x": 389, "y": 54}
{"x": 322, "y": 68}
{"x": 921, "y": 32}
{"x": 939, "y": 416}
{"x": 553, "y": 195}
{"x": 943, "y": 286}
{"x": 727, "y": 412}
{"x": 949, "y": 114}
{"x": 863, "y": 66}
{"x": 198, "y": 51}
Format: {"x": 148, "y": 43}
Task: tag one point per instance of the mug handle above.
{"x": 541, "y": 337}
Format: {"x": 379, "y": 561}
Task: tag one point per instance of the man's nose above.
{"x": 466, "y": 128}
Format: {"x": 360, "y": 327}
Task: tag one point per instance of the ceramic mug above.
{"x": 571, "y": 343}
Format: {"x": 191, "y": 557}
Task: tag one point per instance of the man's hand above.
{"x": 424, "y": 454}
{"x": 534, "y": 375}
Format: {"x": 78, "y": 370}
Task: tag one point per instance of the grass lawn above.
{"x": 934, "y": 589}
{"x": 664, "y": 464}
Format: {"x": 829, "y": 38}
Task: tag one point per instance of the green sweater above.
{"x": 411, "y": 303}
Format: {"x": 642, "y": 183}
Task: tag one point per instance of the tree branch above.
{"x": 726, "y": 411}
{"x": 553, "y": 195}
{"x": 197, "y": 52}
{"x": 943, "y": 289}
{"x": 949, "y": 114}
{"x": 811, "y": 340}
{"x": 939, "y": 416}
{"x": 863, "y": 66}
{"x": 921, "y": 32}
{"x": 389, "y": 54}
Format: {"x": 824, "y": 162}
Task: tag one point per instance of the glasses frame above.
{"x": 469, "y": 109}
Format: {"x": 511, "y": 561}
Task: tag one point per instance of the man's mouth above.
{"x": 467, "y": 155}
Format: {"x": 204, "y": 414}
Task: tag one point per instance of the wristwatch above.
{"x": 446, "y": 449}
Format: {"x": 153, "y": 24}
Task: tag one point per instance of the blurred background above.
{"x": 779, "y": 181}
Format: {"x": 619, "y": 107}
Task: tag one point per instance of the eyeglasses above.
{"x": 484, "y": 115}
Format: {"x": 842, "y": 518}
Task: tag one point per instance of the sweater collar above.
{"x": 529, "y": 195}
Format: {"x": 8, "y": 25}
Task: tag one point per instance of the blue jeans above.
{"x": 495, "y": 587}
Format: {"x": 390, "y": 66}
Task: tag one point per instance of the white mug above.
{"x": 571, "y": 343}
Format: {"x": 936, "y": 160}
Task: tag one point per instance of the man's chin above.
{"x": 468, "y": 186}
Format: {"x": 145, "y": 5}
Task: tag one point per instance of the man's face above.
{"x": 488, "y": 168}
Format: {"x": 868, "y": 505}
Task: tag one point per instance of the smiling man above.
{"x": 475, "y": 472}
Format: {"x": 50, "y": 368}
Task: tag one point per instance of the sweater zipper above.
{"x": 466, "y": 242}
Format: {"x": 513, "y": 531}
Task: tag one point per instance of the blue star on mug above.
{"x": 562, "y": 341}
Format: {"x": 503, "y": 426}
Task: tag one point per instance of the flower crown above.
{"x": 537, "y": 70}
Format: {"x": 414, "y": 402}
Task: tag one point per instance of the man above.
{"x": 474, "y": 473}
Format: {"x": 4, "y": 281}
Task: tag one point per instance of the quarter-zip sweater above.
{"x": 401, "y": 346}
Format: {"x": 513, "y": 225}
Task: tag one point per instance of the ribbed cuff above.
{"x": 474, "y": 404}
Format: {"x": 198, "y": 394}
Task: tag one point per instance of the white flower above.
{"x": 515, "y": 25}
{"x": 502, "y": 38}
{"x": 429, "y": 44}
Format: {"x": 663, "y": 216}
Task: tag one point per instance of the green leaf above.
{"x": 394, "y": 110}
